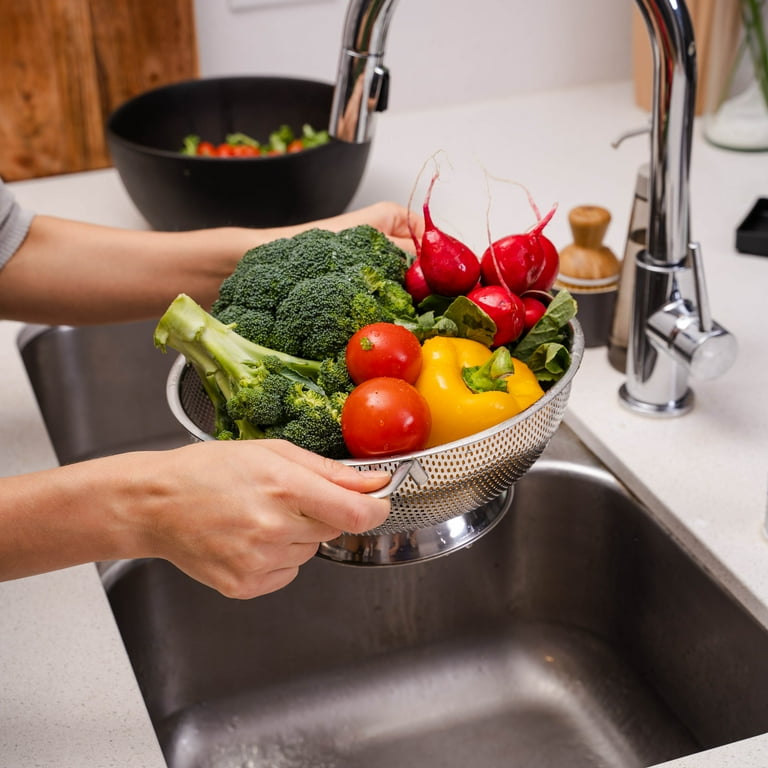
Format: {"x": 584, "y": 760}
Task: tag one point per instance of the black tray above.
{"x": 752, "y": 234}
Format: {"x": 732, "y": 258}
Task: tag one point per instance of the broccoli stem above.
{"x": 219, "y": 354}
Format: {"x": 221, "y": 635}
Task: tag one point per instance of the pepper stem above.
{"x": 491, "y": 376}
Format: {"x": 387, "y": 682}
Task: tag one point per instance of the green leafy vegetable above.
{"x": 546, "y": 347}
{"x": 461, "y": 318}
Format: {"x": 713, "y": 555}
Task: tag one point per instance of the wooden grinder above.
{"x": 590, "y": 271}
{"x": 587, "y": 264}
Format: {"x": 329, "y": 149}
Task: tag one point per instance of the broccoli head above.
{"x": 306, "y": 295}
{"x": 262, "y": 277}
{"x": 319, "y": 315}
{"x": 258, "y": 392}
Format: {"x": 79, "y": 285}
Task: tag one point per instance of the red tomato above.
{"x": 534, "y": 309}
{"x": 295, "y": 146}
{"x": 244, "y": 150}
{"x": 225, "y": 150}
{"x": 383, "y": 349}
{"x": 206, "y": 148}
{"x": 384, "y": 417}
{"x": 504, "y": 308}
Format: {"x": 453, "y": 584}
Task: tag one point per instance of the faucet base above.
{"x": 656, "y": 410}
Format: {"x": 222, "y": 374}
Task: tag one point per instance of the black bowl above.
{"x": 177, "y": 192}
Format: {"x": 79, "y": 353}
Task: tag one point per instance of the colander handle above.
{"x": 410, "y": 468}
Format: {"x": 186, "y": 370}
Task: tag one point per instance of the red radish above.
{"x": 533, "y": 311}
{"x": 504, "y": 308}
{"x": 511, "y": 262}
{"x": 415, "y": 283}
{"x": 517, "y": 261}
{"x": 548, "y": 275}
{"x": 450, "y": 267}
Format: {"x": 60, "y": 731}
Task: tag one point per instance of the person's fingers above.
{"x": 248, "y": 569}
{"x": 320, "y": 487}
{"x": 341, "y": 474}
{"x": 255, "y": 585}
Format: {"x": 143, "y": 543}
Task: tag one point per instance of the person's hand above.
{"x": 242, "y": 517}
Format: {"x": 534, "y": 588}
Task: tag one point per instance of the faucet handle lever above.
{"x": 700, "y": 288}
{"x": 707, "y": 350}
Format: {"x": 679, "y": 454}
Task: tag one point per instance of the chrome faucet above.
{"x": 672, "y": 334}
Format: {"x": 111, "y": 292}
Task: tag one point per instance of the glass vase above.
{"x": 737, "y": 117}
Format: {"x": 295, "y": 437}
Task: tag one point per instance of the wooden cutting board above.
{"x": 66, "y": 64}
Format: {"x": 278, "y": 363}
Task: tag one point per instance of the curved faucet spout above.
{"x": 674, "y": 58}
{"x": 672, "y": 333}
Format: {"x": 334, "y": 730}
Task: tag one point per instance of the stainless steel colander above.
{"x": 433, "y": 486}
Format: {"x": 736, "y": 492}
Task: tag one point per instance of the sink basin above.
{"x": 578, "y": 632}
{"x": 101, "y": 389}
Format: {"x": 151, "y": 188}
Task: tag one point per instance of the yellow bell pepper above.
{"x": 458, "y": 411}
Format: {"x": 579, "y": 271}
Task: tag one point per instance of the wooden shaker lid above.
{"x": 587, "y": 258}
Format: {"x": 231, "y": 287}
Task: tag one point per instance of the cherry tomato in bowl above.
{"x": 383, "y": 349}
{"x": 385, "y": 416}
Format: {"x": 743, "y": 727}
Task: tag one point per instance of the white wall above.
{"x": 438, "y": 51}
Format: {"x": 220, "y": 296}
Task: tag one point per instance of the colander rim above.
{"x": 176, "y": 373}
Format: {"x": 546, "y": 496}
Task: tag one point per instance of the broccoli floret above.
{"x": 314, "y": 422}
{"x": 257, "y": 392}
{"x": 319, "y": 251}
{"x": 306, "y": 295}
{"x": 255, "y": 283}
{"x": 319, "y": 315}
{"x": 261, "y": 402}
{"x": 376, "y": 249}
{"x": 393, "y": 300}
{"x": 334, "y": 377}
{"x": 254, "y": 324}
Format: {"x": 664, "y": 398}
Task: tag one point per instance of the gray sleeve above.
{"x": 14, "y": 224}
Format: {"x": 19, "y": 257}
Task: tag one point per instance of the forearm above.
{"x": 240, "y": 516}
{"x": 62, "y": 517}
{"x": 74, "y": 273}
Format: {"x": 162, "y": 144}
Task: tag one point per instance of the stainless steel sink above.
{"x": 577, "y": 633}
{"x": 101, "y": 389}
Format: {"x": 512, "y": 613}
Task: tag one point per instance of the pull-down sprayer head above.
{"x": 362, "y": 83}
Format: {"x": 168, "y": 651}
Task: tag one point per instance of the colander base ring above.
{"x": 404, "y": 548}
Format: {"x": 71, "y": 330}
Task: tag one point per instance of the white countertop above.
{"x": 68, "y": 696}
